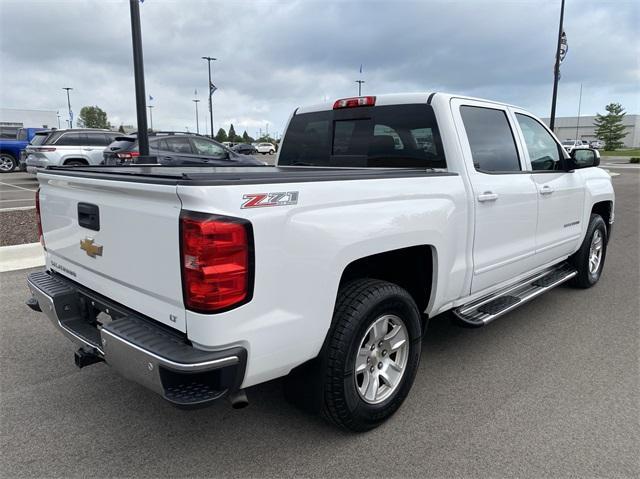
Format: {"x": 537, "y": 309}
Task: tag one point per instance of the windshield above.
{"x": 394, "y": 136}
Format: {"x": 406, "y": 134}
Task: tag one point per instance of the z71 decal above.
{"x": 262, "y": 200}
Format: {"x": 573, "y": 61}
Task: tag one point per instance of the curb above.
{"x": 21, "y": 256}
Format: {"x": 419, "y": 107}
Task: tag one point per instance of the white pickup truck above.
{"x": 382, "y": 212}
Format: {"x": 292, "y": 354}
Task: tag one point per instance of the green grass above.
{"x": 635, "y": 152}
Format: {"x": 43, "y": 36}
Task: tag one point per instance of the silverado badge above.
{"x": 90, "y": 247}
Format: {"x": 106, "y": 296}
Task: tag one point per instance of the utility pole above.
{"x": 359, "y": 82}
{"x": 209, "y": 60}
{"x": 556, "y": 70}
{"x": 69, "y": 106}
{"x": 196, "y": 101}
{"x": 150, "y": 107}
{"x": 579, "y": 107}
{"x": 138, "y": 69}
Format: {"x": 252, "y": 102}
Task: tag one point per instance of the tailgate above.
{"x": 117, "y": 238}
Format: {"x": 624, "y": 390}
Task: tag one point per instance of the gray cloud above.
{"x": 275, "y": 56}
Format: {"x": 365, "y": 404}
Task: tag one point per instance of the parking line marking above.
{"x": 14, "y": 201}
{"x": 15, "y": 186}
{"x": 18, "y": 208}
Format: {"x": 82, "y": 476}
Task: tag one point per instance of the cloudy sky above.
{"x": 276, "y": 55}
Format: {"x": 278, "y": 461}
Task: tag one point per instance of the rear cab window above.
{"x": 390, "y": 136}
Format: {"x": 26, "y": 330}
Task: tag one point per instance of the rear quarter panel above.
{"x": 302, "y": 250}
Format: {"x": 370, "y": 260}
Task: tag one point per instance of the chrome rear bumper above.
{"x": 137, "y": 347}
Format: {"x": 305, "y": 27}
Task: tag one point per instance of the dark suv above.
{"x": 177, "y": 149}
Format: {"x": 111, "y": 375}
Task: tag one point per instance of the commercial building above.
{"x": 565, "y": 129}
{"x": 12, "y": 119}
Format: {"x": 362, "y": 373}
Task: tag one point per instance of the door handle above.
{"x": 546, "y": 190}
{"x": 487, "y": 196}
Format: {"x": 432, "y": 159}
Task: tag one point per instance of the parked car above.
{"x": 71, "y": 147}
{"x": 10, "y": 149}
{"x": 245, "y": 149}
{"x": 266, "y": 148}
{"x": 570, "y": 145}
{"x": 38, "y": 139}
{"x": 176, "y": 148}
{"x": 597, "y": 144}
{"x": 326, "y": 267}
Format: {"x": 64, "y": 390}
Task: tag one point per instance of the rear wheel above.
{"x": 589, "y": 259}
{"x": 371, "y": 356}
{"x": 7, "y": 163}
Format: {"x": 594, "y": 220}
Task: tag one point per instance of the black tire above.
{"x": 271, "y": 152}
{"x": 360, "y": 303}
{"x": 9, "y": 163}
{"x": 585, "y": 278}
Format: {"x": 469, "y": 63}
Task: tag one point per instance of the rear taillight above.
{"x": 39, "y": 219}
{"x": 129, "y": 155}
{"x": 354, "y": 102}
{"x": 217, "y": 261}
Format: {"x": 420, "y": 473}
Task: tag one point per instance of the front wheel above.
{"x": 7, "y": 163}
{"x": 371, "y": 356}
{"x": 589, "y": 259}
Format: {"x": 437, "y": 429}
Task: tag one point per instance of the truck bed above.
{"x": 212, "y": 176}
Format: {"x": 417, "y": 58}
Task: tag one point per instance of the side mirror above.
{"x": 584, "y": 158}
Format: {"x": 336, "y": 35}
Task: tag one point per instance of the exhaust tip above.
{"x": 238, "y": 399}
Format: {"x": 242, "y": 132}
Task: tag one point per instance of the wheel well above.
{"x": 410, "y": 268}
{"x": 3, "y": 152}
{"x": 603, "y": 209}
{"x": 80, "y": 160}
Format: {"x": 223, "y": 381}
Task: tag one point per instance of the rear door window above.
{"x": 179, "y": 145}
{"x": 72, "y": 139}
{"x": 493, "y": 146}
{"x": 97, "y": 139}
{"x": 393, "y": 136}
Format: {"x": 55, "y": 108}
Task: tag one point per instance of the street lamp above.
{"x": 209, "y": 60}
{"x": 138, "y": 72}
{"x": 196, "y": 101}
{"x": 69, "y": 106}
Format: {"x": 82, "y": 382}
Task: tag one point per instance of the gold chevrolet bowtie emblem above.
{"x": 92, "y": 249}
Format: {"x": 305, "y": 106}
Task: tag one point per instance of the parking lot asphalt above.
{"x": 550, "y": 390}
{"x": 17, "y": 190}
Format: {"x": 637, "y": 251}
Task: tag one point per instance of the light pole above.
{"x": 196, "y": 101}
{"x": 69, "y": 106}
{"x": 209, "y": 60}
{"x": 150, "y": 107}
{"x": 58, "y": 115}
{"x": 556, "y": 71}
{"x": 359, "y": 82}
{"x": 138, "y": 70}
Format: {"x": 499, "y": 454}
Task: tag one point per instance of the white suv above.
{"x": 69, "y": 147}
{"x": 571, "y": 145}
{"x": 265, "y": 148}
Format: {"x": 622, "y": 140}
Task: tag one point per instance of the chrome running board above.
{"x": 490, "y": 307}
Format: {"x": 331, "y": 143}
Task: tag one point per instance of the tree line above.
{"x": 609, "y": 127}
